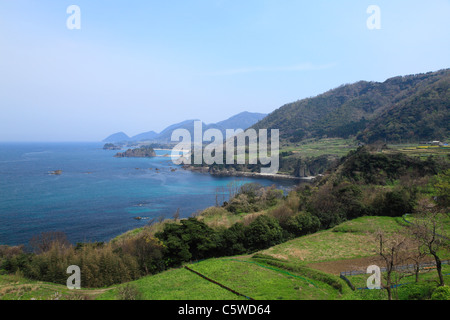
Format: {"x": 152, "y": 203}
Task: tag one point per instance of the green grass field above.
{"x": 419, "y": 150}
{"x": 176, "y": 284}
{"x": 352, "y": 239}
{"x": 251, "y": 279}
{"x": 315, "y": 148}
{"x": 340, "y": 147}
{"x": 263, "y": 282}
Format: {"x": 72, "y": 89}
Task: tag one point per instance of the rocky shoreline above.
{"x": 235, "y": 173}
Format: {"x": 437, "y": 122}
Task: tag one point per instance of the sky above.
{"x": 136, "y": 66}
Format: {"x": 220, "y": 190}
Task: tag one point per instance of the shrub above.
{"x": 282, "y": 213}
{"x": 129, "y": 292}
{"x": 416, "y": 291}
{"x": 214, "y": 211}
{"x": 252, "y": 190}
{"x": 302, "y": 224}
{"x": 253, "y": 197}
{"x": 8, "y": 252}
{"x": 240, "y": 204}
{"x": 393, "y": 203}
{"x": 441, "y": 293}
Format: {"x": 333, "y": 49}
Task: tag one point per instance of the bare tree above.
{"x": 176, "y": 215}
{"x": 46, "y": 240}
{"x": 392, "y": 250}
{"x": 217, "y": 197}
{"x": 219, "y": 192}
{"x": 8, "y": 251}
{"x": 417, "y": 256}
{"x": 427, "y": 230}
{"x": 161, "y": 218}
{"x": 234, "y": 187}
{"x": 151, "y": 222}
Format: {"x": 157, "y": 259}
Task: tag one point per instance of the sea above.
{"x": 97, "y": 196}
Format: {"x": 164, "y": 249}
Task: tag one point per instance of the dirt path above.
{"x": 5, "y": 288}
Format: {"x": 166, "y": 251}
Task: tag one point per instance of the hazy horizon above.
{"x": 142, "y": 67}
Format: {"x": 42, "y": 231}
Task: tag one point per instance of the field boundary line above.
{"x": 217, "y": 283}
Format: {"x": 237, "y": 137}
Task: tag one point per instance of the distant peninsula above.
{"x": 142, "y": 152}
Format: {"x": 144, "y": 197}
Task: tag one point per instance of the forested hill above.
{"x": 404, "y": 108}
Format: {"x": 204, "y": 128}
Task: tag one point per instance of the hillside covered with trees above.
{"x": 405, "y": 108}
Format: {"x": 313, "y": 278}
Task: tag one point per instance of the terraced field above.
{"x": 250, "y": 279}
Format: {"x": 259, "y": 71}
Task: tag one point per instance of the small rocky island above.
{"x": 111, "y": 146}
{"x": 142, "y": 152}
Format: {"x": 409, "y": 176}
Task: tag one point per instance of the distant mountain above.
{"x": 404, "y": 108}
{"x": 243, "y": 120}
{"x": 144, "y": 136}
{"x": 166, "y": 135}
{"x": 117, "y": 137}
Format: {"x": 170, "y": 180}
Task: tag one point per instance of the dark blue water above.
{"x": 97, "y": 196}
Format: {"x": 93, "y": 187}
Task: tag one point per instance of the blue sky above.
{"x": 136, "y": 66}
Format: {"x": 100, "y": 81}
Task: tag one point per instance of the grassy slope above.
{"x": 262, "y": 281}
{"x": 15, "y": 287}
{"x": 251, "y": 277}
{"x": 315, "y": 148}
{"x": 176, "y": 284}
{"x": 352, "y": 239}
{"x": 420, "y": 150}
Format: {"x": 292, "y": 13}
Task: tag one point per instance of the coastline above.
{"x": 235, "y": 173}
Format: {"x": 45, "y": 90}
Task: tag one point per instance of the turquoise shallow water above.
{"x": 97, "y": 196}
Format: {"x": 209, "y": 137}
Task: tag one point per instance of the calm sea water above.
{"x": 97, "y": 196}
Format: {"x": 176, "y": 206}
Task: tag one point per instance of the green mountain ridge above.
{"x": 242, "y": 121}
{"x": 404, "y": 108}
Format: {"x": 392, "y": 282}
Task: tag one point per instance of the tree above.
{"x": 46, "y": 240}
{"x": 147, "y": 250}
{"x": 262, "y": 233}
{"x": 397, "y": 203}
{"x": 176, "y": 215}
{"x": 233, "y": 240}
{"x": 234, "y": 187}
{"x": 441, "y": 184}
{"x": 189, "y": 239}
{"x": 392, "y": 250}
{"x": 417, "y": 256}
{"x": 427, "y": 230}
{"x": 301, "y": 224}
